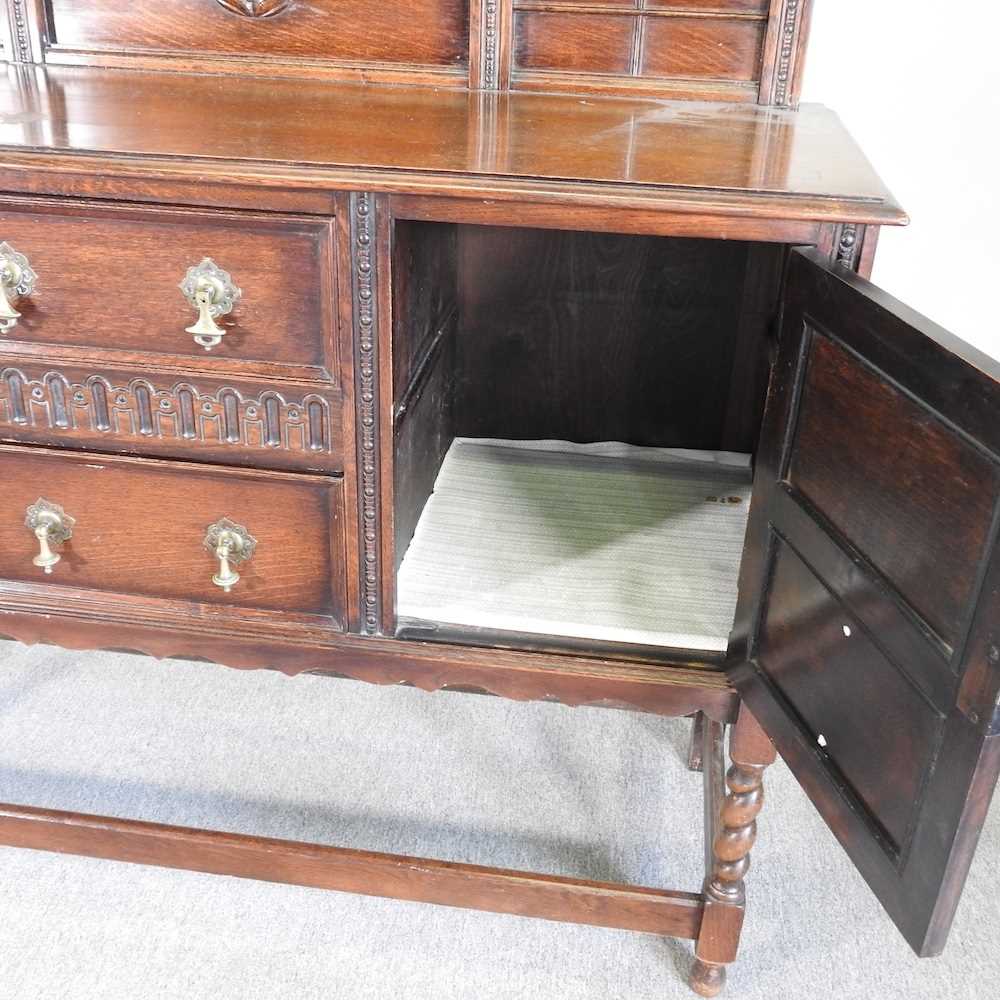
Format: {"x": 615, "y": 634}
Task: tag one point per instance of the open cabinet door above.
{"x": 867, "y": 638}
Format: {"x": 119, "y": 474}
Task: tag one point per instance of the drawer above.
{"x": 140, "y": 529}
{"x": 198, "y": 416}
{"x": 108, "y": 282}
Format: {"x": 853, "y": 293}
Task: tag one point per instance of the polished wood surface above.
{"x": 436, "y": 31}
{"x": 550, "y": 897}
{"x": 108, "y": 278}
{"x": 833, "y": 652}
{"x": 141, "y": 525}
{"x": 783, "y": 165}
{"x": 481, "y": 251}
{"x": 727, "y": 50}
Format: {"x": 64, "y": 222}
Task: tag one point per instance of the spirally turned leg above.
{"x": 731, "y": 827}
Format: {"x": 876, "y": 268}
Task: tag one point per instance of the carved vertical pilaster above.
{"x": 364, "y": 286}
{"x": 784, "y": 49}
{"x": 489, "y": 44}
{"x": 23, "y": 37}
{"x": 848, "y": 245}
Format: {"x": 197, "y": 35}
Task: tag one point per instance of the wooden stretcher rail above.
{"x": 655, "y": 911}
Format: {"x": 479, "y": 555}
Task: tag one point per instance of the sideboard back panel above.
{"x": 407, "y": 32}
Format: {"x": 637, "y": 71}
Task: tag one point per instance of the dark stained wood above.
{"x": 849, "y": 682}
{"x": 608, "y": 220}
{"x": 602, "y": 904}
{"x": 583, "y": 337}
{"x": 428, "y": 260}
{"x": 923, "y": 538}
{"x": 168, "y": 412}
{"x": 108, "y": 281}
{"x": 663, "y": 155}
{"x": 425, "y": 315}
{"x": 140, "y": 528}
{"x": 831, "y": 678}
{"x": 756, "y": 337}
{"x": 731, "y": 808}
{"x": 348, "y": 31}
{"x": 255, "y": 640}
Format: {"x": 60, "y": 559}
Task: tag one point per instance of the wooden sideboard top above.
{"x": 742, "y": 159}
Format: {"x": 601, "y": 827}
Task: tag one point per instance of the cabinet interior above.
{"x": 574, "y": 418}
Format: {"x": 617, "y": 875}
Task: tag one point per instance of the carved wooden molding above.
{"x": 848, "y": 245}
{"x": 783, "y": 50}
{"x": 786, "y": 49}
{"x": 364, "y": 292}
{"x": 181, "y": 412}
{"x": 490, "y": 24}
{"x": 255, "y": 8}
{"x": 491, "y": 40}
{"x": 19, "y": 30}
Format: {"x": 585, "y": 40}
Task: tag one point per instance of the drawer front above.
{"x": 108, "y": 281}
{"x": 141, "y": 525}
{"x": 232, "y": 421}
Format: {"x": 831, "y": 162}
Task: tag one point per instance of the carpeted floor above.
{"x": 585, "y": 792}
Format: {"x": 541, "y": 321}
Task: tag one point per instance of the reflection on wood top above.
{"x": 779, "y": 163}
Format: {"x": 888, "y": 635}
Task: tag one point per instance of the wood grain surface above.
{"x": 140, "y": 528}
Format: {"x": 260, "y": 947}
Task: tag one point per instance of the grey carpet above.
{"x": 578, "y": 791}
{"x": 603, "y": 541}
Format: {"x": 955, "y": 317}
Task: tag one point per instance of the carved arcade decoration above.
{"x": 183, "y": 412}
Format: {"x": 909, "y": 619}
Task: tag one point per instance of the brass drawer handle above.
{"x": 52, "y": 526}
{"x": 16, "y": 279}
{"x": 213, "y": 293}
{"x": 230, "y": 543}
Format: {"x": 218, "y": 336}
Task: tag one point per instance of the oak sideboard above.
{"x": 524, "y": 347}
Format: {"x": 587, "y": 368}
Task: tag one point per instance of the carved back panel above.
{"x": 723, "y": 50}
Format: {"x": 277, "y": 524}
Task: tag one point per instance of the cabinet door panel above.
{"x": 867, "y": 638}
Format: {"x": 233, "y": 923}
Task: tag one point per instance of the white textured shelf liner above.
{"x": 608, "y": 541}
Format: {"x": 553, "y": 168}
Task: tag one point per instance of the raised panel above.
{"x": 584, "y": 43}
{"x": 709, "y": 48}
{"x": 429, "y": 32}
{"x": 876, "y": 726}
{"x": 140, "y": 530}
{"x": 895, "y": 481}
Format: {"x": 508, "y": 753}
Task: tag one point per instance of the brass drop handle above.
{"x": 230, "y": 543}
{"x": 213, "y": 293}
{"x": 52, "y": 526}
{"x": 16, "y": 279}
